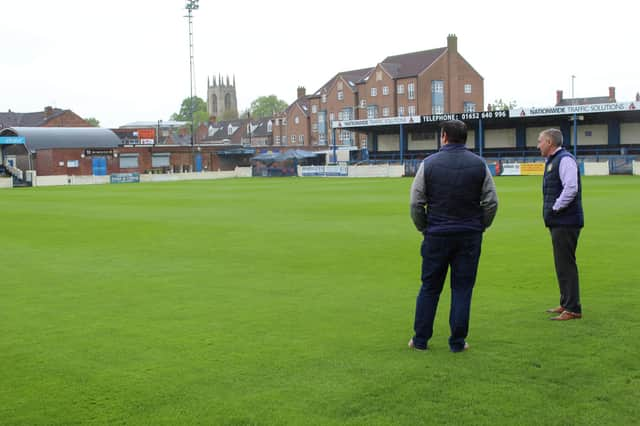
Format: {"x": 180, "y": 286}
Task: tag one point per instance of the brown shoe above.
{"x": 566, "y": 315}
{"x": 557, "y": 310}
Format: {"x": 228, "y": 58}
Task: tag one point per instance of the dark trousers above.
{"x": 565, "y": 242}
{"x": 461, "y": 252}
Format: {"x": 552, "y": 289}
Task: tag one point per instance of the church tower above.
{"x": 221, "y": 98}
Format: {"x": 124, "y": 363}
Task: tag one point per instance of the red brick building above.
{"x": 49, "y": 117}
{"x": 433, "y": 81}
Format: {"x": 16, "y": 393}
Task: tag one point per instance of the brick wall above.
{"x": 66, "y": 119}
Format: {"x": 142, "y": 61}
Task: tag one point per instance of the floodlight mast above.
{"x": 191, "y": 6}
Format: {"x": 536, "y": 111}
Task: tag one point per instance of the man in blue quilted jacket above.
{"x": 453, "y": 200}
{"x": 563, "y": 215}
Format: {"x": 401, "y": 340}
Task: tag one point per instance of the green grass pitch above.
{"x": 290, "y": 301}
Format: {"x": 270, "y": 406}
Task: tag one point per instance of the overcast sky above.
{"x": 128, "y": 60}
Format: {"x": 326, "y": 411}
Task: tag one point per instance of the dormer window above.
{"x": 269, "y": 126}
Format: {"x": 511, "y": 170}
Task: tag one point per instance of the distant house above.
{"x": 561, "y": 101}
{"x": 168, "y": 132}
{"x": 258, "y": 132}
{"x": 292, "y": 127}
{"x": 225, "y": 132}
{"x": 49, "y": 117}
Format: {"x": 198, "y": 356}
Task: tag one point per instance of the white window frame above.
{"x": 400, "y": 89}
{"x": 467, "y": 88}
{"x": 412, "y": 110}
{"x": 293, "y": 139}
{"x": 411, "y": 90}
{"x": 296, "y": 119}
{"x": 400, "y": 111}
{"x": 385, "y": 111}
{"x": 374, "y": 91}
{"x": 385, "y": 90}
{"x": 314, "y": 109}
{"x": 340, "y": 95}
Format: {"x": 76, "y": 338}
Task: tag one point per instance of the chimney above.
{"x": 48, "y": 111}
{"x": 612, "y": 94}
{"x": 558, "y": 97}
{"x": 301, "y": 92}
{"x": 212, "y": 119}
{"x": 637, "y": 96}
{"x": 452, "y": 43}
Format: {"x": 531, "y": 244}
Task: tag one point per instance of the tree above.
{"x": 200, "y": 114}
{"x": 93, "y": 122}
{"x": 266, "y": 106}
{"x": 499, "y": 104}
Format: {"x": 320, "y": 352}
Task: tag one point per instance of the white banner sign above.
{"x": 574, "y": 109}
{"x": 376, "y": 122}
{"x": 511, "y": 169}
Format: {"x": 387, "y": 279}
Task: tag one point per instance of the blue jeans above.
{"x": 461, "y": 252}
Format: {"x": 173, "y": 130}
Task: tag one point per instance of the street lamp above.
{"x": 573, "y": 77}
{"x": 158, "y": 133}
{"x": 250, "y": 127}
{"x": 191, "y": 6}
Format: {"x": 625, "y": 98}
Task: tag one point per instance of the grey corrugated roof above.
{"x": 154, "y": 124}
{"x": 64, "y": 137}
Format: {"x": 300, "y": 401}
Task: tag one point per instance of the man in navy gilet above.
{"x": 457, "y": 189}
{"x": 562, "y": 213}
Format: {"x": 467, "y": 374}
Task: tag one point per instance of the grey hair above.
{"x": 554, "y": 135}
